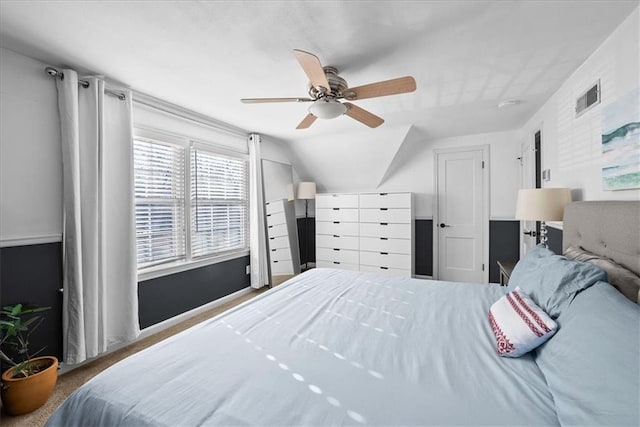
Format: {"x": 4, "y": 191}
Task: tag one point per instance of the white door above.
{"x": 527, "y": 180}
{"x": 461, "y": 222}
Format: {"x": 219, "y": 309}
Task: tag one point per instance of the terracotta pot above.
{"x": 26, "y": 394}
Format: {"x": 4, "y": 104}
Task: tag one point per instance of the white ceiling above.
{"x": 466, "y": 56}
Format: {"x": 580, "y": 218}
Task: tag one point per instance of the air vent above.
{"x": 588, "y": 99}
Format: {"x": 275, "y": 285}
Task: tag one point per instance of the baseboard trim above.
{"x": 30, "y": 240}
{"x": 159, "y": 327}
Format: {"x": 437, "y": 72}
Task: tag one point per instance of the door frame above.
{"x": 486, "y": 184}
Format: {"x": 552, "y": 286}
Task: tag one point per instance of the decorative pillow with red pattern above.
{"x": 519, "y": 324}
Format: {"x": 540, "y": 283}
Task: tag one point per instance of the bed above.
{"x": 333, "y": 347}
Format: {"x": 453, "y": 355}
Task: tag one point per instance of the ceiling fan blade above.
{"x": 385, "y": 88}
{"x": 262, "y": 100}
{"x": 313, "y": 68}
{"x": 363, "y": 116}
{"x": 307, "y": 121}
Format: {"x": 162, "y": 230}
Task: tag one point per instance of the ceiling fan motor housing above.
{"x": 338, "y": 85}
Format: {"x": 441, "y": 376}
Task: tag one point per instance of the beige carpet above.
{"x": 70, "y": 381}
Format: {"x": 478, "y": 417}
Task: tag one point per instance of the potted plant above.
{"x": 28, "y": 383}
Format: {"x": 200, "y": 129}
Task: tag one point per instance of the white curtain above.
{"x": 100, "y": 304}
{"x": 257, "y": 232}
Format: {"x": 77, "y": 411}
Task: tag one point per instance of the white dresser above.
{"x": 337, "y": 231}
{"x": 367, "y": 232}
{"x": 282, "y": 238}
{"x": 386, "y": 233}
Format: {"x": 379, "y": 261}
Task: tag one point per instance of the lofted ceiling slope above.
{"x": 466, "y": 56}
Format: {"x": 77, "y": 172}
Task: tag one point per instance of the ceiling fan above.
{"x": 326, "y": 88}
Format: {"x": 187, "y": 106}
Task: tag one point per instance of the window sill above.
{"x": 179, "y": 266}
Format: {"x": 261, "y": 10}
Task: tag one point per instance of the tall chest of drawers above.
{"x": 367, "y": 232}
{"x": 282, "y": 235}
{"x": 337, "y": 231}
{"x": 386, "y": 233}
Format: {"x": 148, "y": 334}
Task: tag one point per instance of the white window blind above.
{"x": 219, "y": 203}
{"x": 160, "y": 202}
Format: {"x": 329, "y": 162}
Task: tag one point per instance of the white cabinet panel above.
{"x": 274, "y": 207}
{"x": 386, "y": 271}
{"x": 385, "y": 259}
{"x": 276, "y": 218}
{"x": 393, "y": 215}
{"x": 340, "y": 255}
{"x": 337, "y": 264}
{"x": 281, "y": 267}
{"x": 280, "y": 254}
{"x": 385, "y": 200}
{"x": 342, "y": 242}
{"x": 385, "y": 244}
{"x": 336, "y": 201}
{"x": 277, "y": 230}
{"x": 279, "y": 242}
{"x": 337, "y": 228}
{"x": 385, "y": 230}
{"x": 338, "y": 214}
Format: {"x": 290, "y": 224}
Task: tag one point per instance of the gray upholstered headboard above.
{"x": 606, "y": 228}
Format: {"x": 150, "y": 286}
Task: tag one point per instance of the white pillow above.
{"x": 519, "y": 324}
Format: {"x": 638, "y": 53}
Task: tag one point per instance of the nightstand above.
{"x": 506, "y": 267}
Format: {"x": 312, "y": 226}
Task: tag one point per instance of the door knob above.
{"x": 443, "y": 225}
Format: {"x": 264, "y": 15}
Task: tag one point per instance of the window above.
{"x": 191, "y": 202}
{"x": 219, "y": 205}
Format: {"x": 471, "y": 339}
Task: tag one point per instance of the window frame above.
{"x": 189, "y": 144}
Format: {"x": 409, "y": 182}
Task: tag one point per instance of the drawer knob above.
{"x": 384, "y": 253}
{"x": 336, "y": 222}
{"x": 336, "y": 209}
{"x": 336, "y": 262}
{"x": 383, "y": 194}
{"x": 384, "y": 209}
{"x": 336, "y": 249}
{"x": 335, "y": 235}
{"x": 275, "y": 260}
{"x": 384, "y": 268}
{"x": 384, "y": 223}
{"x": 384, "y": 238}
{"x": 273, "y": 250}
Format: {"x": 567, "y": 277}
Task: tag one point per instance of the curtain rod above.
{"x": 84, "y": 83}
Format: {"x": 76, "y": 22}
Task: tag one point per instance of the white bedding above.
{"x": 328, "y": 347}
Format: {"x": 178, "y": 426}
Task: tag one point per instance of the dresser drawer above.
{"x": 340, "y": 255}
{"x": 385, "y": 200}
{"x": 385, "y": 259}
{"x": 281, "y": 254}
{"x": 336, "y": 201}
{"x": 337, "y": 228}
{"x": 337, "y": 214}
{"x": 281, "y": 267}
{"x": 276, "y": 218}
{"x": 274, "y": 207}
{"x": 400, "y": 231}
{"x": 277, "y": 230}
{"x": 386, "y": 271}
{"x": 394, "y": 215}
{"x": 342, "y": 242}
{"x": 337, "y": 264}
{"x": 386, "y": 244}
{"x": 278, "y": 242}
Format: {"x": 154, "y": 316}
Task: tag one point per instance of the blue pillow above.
{"x": 552, "y": 280}
{"x": 591, "y": 363}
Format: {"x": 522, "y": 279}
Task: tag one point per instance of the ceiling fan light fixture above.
{"x": 327, "y": 108}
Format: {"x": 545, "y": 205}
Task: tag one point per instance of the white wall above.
{"x": 571, "y": 147}
{"x": 30, "y": 153}
{"x": 417, "y": 171}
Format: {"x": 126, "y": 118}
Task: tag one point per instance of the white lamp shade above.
{"x": 327, "y": 108}
{"x": 307, "y": 190}
{"x": 291, "y": 195}
{"x": 542, "y": 204}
